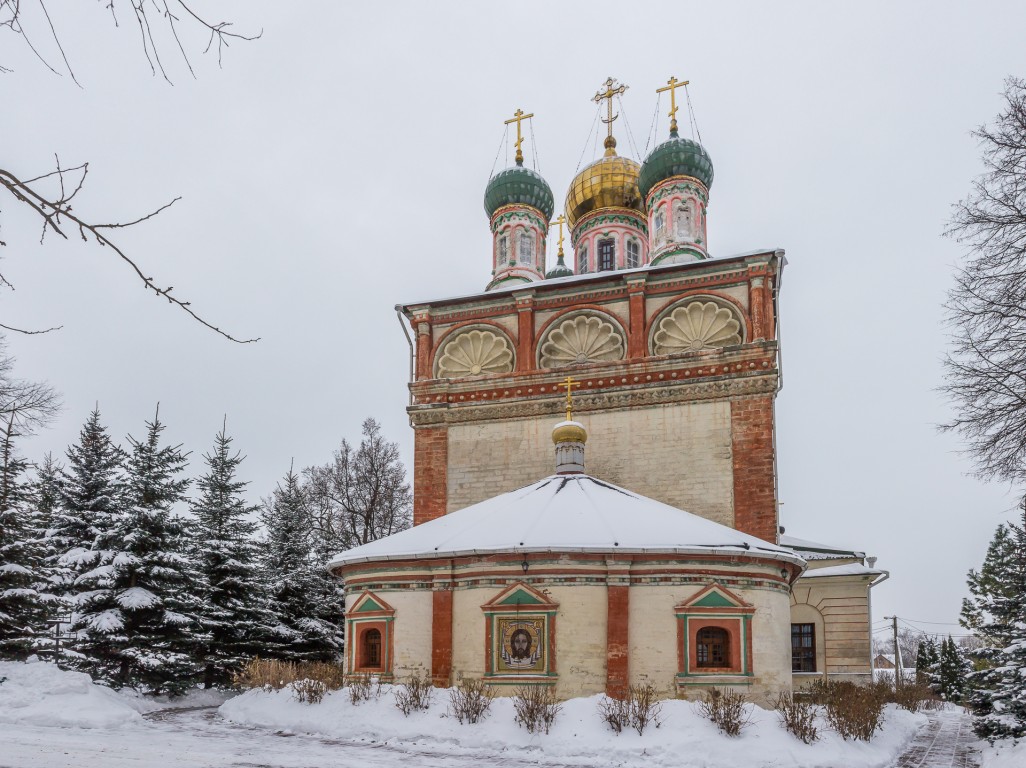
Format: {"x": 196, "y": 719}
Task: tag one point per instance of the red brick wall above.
{"x": 617, "y": 648}
{"x": 751, "y": 427}
{"x": 430, "y": 481}
{"x": 441, "y": 637}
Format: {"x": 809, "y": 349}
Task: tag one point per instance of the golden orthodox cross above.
{"x": 570, "y": 383}
{"x": 672, "y": 85}
{"x": 608, "y": 94}
{"x": 560, "y": 221}
{"x": 518, "y": 116}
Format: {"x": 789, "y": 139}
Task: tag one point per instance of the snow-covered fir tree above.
{"x": 305, "y": 599}
{"x": 952, "y": 671}
{"x": 927, "y": 659}
{"x": 24, "y": 596}
{"x": 233, "y": 611}
{"x": 996, "y": 611}
{"x": 138, "y": 620}
{"x": 91, "y": 490}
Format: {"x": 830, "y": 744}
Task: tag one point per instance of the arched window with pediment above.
{"x": 370, "y": 649}
{"x": 712, "y": 647}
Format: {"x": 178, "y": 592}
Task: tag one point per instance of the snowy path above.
{"x": 199, "y": 738}
{"x": 947, "y": 742}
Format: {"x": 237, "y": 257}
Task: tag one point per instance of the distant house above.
{"x": 883, "y": 661}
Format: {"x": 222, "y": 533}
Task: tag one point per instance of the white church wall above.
{"x": 679, "y": 454}
{"x": 580, "y": 639}
{"x": 468, "y": 631}
{"x": 413, "y": 617}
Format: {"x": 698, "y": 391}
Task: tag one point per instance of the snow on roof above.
{"x": 814, "y": 550}
{"x": 586, "y": 277}
{"x": 850, "y": 569}
{"x": 565, "y": 513}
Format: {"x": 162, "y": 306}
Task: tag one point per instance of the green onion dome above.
{"x": 675, "y": 157}
{"x": 560, "y": 270}
{"x": 518, "y": 186}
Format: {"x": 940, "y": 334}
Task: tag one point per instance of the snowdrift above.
{"x": 684, "y": 739}
{"x": 37, "y": 693}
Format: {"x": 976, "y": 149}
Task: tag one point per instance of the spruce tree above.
{"x": 952, "y": 671}
{"x": 927, "y": 658}
{"x": 138, "y": 621}
{"x": 232, "y": 612}
{"x": 90, "y": 502}
{"x": 305, "y": 598}
{"x": 996, "y": 611}
{"x": 23, "y": 594}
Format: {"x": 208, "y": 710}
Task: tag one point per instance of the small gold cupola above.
{"x": 569, "y": 437}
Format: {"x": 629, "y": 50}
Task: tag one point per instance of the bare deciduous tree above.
{"x": 25, "y": 407}
{"x": 51, "y": 195}
{"x": 362, "y": 494}
{"x": 986, "y": 369}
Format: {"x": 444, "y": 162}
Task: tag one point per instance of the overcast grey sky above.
{"x": 336, "y": 167}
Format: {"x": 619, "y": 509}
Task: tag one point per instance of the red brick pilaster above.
{"x": 617, "y": 636}
{"x": 525, "y": 331}
{"x": 430, "y": 473}
{"x": 441, "y": 634}
{"x": 636, "y": 346}
{"x": 771, "y": 318}
{"x": 422, "y": 329}
{"x": 751, "y": 432}
{"x": 757, "y": 307}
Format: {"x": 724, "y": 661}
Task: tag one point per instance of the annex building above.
{"x": 637, "y": 539}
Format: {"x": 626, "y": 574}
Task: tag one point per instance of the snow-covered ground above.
{"x": 50, "y": 719}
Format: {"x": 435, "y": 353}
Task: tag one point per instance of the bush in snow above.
{"x": 854, "y": 711}
{"x": 915, "y": 697}
{"x": 637, "y": 709}
{"x": 798, "y": 716}
{"x": 616, "y": 713}
{"x": 470, "y": 700}
{"x": 413, "y": 694}
{"x": 265, "y": 673}
{"x": 362, "y": 687}
{"x": 307, "y": 691}
{"x": 536, "y": 707}
{"x": 727, "y": 709}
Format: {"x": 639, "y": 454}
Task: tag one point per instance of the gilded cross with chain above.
{"x": 612, "y": 89}
{"x": 560, "y": 221}
{"x": 672, "y": 85}
{"x": 570, "y": 383}
{"x": 519, "y": 116}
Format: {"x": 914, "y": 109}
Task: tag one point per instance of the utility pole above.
{"x": 898, "y": 666}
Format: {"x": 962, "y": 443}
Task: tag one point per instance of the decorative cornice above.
{"x": 598, "y": 395}
{"x": 675, "y": 184}
{"x": 519, "y": 211}
{"x": 624, "y": 216}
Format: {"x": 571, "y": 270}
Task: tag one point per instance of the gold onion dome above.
{"x": 569, "y": 432}
{"x": 609, "y": 182}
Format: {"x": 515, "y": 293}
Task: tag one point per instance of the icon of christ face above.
{"x": 520, "y": 644}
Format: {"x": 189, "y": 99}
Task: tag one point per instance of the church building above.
{"x": 637, "y": 539}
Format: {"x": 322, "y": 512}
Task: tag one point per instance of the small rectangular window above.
{"x": 633, "y": 254}
{"x": 582, "y": 260}
{"x": 606, "y": 255}
{"x": 503, "y": 250}
{"x": 803, "y": 647}
{"x": 526, "y": 256}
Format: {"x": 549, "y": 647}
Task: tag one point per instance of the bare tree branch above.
{"x": 56, "y": 213}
